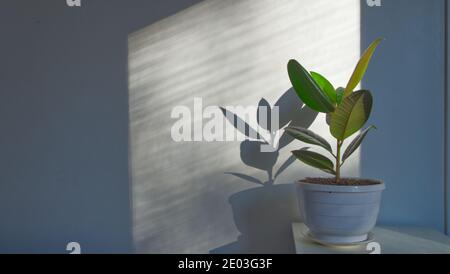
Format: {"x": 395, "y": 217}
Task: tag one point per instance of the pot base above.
{"x": 338, "y": 240}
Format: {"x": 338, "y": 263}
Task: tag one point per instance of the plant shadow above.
{"x": 263, "y": 215}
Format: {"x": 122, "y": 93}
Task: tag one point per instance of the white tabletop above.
{"x": 386, "y": 240}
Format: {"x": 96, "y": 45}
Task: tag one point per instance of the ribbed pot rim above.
{"x": 342, "y": 188}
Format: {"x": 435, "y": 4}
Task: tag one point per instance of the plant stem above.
{"x": 338, "y": 161}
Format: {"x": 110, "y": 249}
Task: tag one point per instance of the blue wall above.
{"x": 64, "y": 122}
{"x": 407, "y": 80}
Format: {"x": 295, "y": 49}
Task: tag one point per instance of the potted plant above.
{"x": 337, "y": 210}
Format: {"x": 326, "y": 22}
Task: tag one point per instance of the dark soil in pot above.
{"x": 342, "y": 181}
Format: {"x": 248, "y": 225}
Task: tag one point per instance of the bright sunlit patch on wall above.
{"x": 227, "y": 53}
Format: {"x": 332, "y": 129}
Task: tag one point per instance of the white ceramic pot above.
{"x": 339, "y": 214}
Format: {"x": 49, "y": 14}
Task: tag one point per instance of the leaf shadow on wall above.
{"x": 264, "y": 214}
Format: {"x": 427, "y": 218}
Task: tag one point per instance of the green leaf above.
{"x": 307, "y": 136}
{"x": 314, "y": 159}
{"x": 351, "y": 114}
{"x": 307, "y": 89}
{"x": 356, "y": 143}
{"x": 325, "y": 85}
{"x": 328, "y": 118}
{"x": 339, "y": 94}
{"x": 361, "y": 67}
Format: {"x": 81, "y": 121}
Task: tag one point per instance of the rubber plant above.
{"x": 346, "y": 110}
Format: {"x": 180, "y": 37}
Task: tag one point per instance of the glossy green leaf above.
{"x": 325, "y": 85}
{"x": 328, "y": 118}
{"x": 361, "y": 67}
{"x": 307, "y": 136}
{"x": 351, "y": 114}
{"x": 353, "y": 146}
{"x": 339, "y": 94}
{"x": 307, "y": 89}
{"x": 314, "y": 159}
